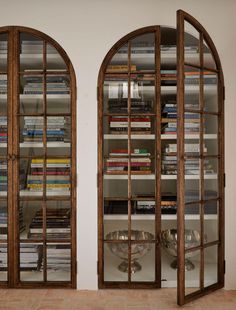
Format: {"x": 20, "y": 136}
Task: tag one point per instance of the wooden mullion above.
{"x": 129, "y": 162}
{"x": 180, "y": 158}
{"x": 158, "y": 157}
{"x": 44, "y": 205}
{"x": 201, "y": 104}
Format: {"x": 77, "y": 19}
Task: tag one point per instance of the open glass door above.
{"x": 200, "y": 100}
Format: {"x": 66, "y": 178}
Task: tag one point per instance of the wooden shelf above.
{"x": 152, "y": 177}
{"x": 151, "y": 217}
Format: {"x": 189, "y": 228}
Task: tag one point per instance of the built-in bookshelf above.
{"x": 160, "y": 159}
{"x": 38, "y": 179}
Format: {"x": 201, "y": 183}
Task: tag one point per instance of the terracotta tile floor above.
{"x": 164, "y": 299}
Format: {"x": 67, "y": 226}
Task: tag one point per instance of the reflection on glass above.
{"x": 59, "y": 262}
{"x": 145, "y": 229}
{"x": 3, "y": 262}
{"x": 114, "y": 255}
{"x": 192, "y": 90}
{"x": 211, "y": 124}
{"x": 3, "y": 52}
{"x": 119, "y": 62}
{"x": 115, "y": 94}
{"x": 3, "y": 176}
{"x": 31, "y": 262}
{"x": 211, "y": 189}
{"x": 191, "y": 44}
{"x": 144, "y": 259}
{"x": 54, "y": 59}
{"x": 210, "y": 168}
{"x": 58, "y": 215}
{"x": 115, "y": 188}
{"x": 140, "y": 188}
{"x": 192, "y": 228}
{"x": 31, "y": 96}
{"x": 210, "y": 265}
{"x": 143, "y": 52}
{"x": 209, "y": 60}
{"x": 31, "y": 57}
{"x": 211, "y": 144}
{"x": 192, "y": 277}
{"x": 210, "y": 81}
{"x": 30, "y": 219}
{"x": 211, "y": 221}
{"x": 57, "y": 84}
{"x": 192, "y": 167}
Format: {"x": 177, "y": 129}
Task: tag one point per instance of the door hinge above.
{"x": 224, "y": 180}
{"x": 224, "y": 266}
{"x": 97, "y": 267}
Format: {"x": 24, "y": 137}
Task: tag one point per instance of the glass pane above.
{"x": 209, "y": 60}
{"x": 113, "y": 186}
{"x": 192, "y": 168}
{"x": 191, "y": 45}
{"x": 3, "y": 262}
{"x": 210, "y": 265}
{"x": 142, "y": 156}
{"x": 211, "y": 144}
{"x": 58, "y": 215}
{"x": 192, "y": 227}
{"x": 115, "y": 261}
{"x": 142, "y": 93}
{"x": 211, "y": 189}
{"x": 192, "y": 272}
{"x": 31, "y": 57}
{"x": 169, "y": 115}
{"x": 143, "y": 52}
{"x": 142, "y": 229}
{"x": 143, "y": 262}
{"x": 211, "y": 221}
{"x": 59, "y": 262}
{"x": 211, "y": 168}
{"x": 192, "y": 190}
{"x": 31, "y": 262}
{"x": 169, "y": 159}
{"x": 31, "y": 94}
{"x": 143, "y": 186}
{"x": 192, "y": 90}
{"x": 119, "y": 62}
{"x": 57, "y": 85}
{"x": 3, "y": 177}
{"x": 58, "y": 176}
{"x": 54, "y": 59}
{"x": 30, "y": 219}
{"x": 3, "y": 135}
{"x": 3, "y": 51}
{"x": 115, "y": 94}
{"x": 211, "y": 134}
{"x": 3, "y": 219}
{"x": 210, "y": 90}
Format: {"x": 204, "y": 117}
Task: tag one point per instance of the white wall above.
{"x": 86, "y": 30}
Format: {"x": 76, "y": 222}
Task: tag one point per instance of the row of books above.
{"x": 117, "y": 162}
{"x": 3, "y": 84}
{"x": 57, "y": 224}
{"x": 57, "y": 129}
{"x": 136, "y": 106}
{"x": 30, "y": 257}
{"x": 192, "y": 166}
{"x": 55, "y": 84}
{"x": 3, "y": 129}
{"x": 4, "y": 220}
{"x": 138, "y": 124}
{"x": 59, "y": 257}
{"x": 57, "y": 175}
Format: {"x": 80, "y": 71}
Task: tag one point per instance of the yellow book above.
{"x": 52, "y": 161}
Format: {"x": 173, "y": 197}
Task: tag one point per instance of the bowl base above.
{"x": 188, "y": 265}
{"x": 124, "y": 267}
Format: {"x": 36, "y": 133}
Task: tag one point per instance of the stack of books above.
{"x": 57, "y": 224}
{"x": 35, "y": 47}
{"x": 56, "y": 84}
{"x": 59, "y": 257}
{"x": 169, "y": 118}
{"x": 193, "y": 77}
{"x": 3, "y": 129}
{"x": 120, "y": 68}
{"x": 172, "y": 49}
{"x": 57, "y": 175}
{"x": 137, "y": 106}
{"x": 57, "y": 129}
{"x": 117, "y": 162}
{"x": 139, "y": 124}
{"x": 3, "y": 84}
{"x": 3, "y": 221}
{"x": 169, "y": 162}
{"x": 3, "y": 175}
{"x": 3, "y": 47}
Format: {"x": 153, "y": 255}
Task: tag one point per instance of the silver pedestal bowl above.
{"x": 169, "y": 243}
{"x": 137, "y": 250}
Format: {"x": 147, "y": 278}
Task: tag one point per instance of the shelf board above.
{"x": 133, "y": 137}
{"x": 25, "y": 193}
{"x": 148, "y": 217}
{"x": 152, "y": 177}
{"x": 40, "y": 145}
{"x": 189, "y": 137}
